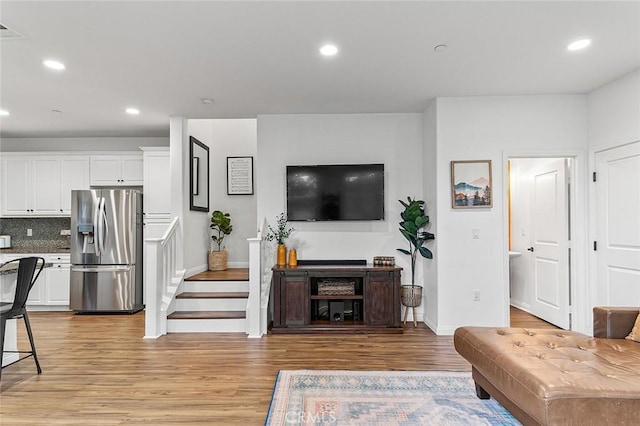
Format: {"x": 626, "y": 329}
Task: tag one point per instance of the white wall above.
{"x": 487, "y": 128}
{"x": 392, "y": 139}
{"x": 614, "y": 112}
{"x": 614, "y": 120}
{"x": 229, "y": 138}
{"x": 79, "y": 144}
{"x": 429, "y": 170}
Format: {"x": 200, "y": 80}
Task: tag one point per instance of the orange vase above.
{"x": 293, "y": 257}
{"x": 282, "y": 255}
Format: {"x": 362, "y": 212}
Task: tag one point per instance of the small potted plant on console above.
{"x": 279, "y": 234}
{"x": 221, "y": 225}
{"x": 413, "y": 220}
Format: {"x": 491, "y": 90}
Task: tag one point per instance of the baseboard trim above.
{"x": 521, "y": 305}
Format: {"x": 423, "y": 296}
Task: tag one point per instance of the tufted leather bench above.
{"x": 558, "y": 377}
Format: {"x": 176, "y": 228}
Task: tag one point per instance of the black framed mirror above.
{"x": 199, "y": 175}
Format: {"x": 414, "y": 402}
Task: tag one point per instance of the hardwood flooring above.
{"x": 98, "y": 370}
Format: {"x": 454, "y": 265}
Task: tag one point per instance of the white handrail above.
{"x": 163, "y": 275}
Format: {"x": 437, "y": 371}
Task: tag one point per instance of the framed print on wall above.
{"x": 239, "y": 175}
{"x": 199, "y": 175}
{"x": 471, "y": 186}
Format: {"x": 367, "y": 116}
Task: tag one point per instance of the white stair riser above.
{"x": 235, "y": 325}
{"x": 211, "y": 304}
{"x": 214, "y": 286}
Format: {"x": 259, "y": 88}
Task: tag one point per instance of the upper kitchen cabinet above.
{"x": 40, "y": 185}
{"x": 74, "y": 175}
{"x": 116, "y": 170}
{"x": 157, "y": 182}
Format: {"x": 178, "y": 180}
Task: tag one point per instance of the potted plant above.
{"x": 413, "y": 220}
{"x": 279, "y": 234}
{"x": 221, "y": 225}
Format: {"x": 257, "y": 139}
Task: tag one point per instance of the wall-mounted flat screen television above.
{"x": 335, "y": 192}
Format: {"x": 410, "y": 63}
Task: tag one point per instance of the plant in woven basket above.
{"x": 413, "y": 220}
{"x": 221, "y": 225}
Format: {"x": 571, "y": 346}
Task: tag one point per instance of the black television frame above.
{"x": 383, "y": 210}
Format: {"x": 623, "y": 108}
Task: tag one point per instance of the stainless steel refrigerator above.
{"x": 106, "y": 251}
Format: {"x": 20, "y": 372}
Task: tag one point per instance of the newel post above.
{"x": 255, "y": 278}
{"x": 153, "y": 289}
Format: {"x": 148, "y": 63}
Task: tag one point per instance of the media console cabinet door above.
{"x": 380, "y": 303}
{"x": 295, "y": 300}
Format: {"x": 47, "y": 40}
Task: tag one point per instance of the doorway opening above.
{"x": 540, "y": 229}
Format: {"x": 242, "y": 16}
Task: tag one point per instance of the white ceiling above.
{"x": 262, "y": 58}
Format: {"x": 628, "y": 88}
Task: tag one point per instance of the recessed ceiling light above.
{"x": 3, "y": 112}
{"x": 328, "y": 50}
{"x": 579, "y": 44}
{"x": 54, "y": 65}
{"x": 207, "y": 101}
{"x": 132, "y": 111}
{"x": 440, "y": 48}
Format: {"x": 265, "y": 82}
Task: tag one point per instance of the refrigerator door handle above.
{"x": 101, "y": 269}
{"x": 103, "y": 224}
{"x": 96, "y": 229}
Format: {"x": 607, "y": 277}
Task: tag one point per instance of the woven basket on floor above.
{"x": 218, "y": 260}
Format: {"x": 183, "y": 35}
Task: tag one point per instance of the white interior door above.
{"x": 618, "y": 225}
{"x": 550, "y": 245}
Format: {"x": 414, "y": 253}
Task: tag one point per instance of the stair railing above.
{"x": 261, "y": 258}
{"x": 163, "y": 275}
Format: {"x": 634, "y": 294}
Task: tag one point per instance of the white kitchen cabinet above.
{"x": 51, "y": 290}
{"x": 56, "y": 290}
{"x": 117, "y": 170}
{"x": 16, "y": 186}
{"x": 157, "y": 182}
{"x": 30, "y": 186}
{"x": 74, "y": 175}
{"x": 40, "y": 185}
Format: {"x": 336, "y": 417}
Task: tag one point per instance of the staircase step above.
{"x": 197, "y": 325}
{"x": 214, "y": 286}
{"x": 207, "y": 315}
{"x": 211, "y": 304}
{"x": 231, "y": 274}
{"x": 213, "y": 295}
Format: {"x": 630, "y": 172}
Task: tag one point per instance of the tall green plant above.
{"x": 413, "y": 220}
{"x": 221, "y": 225}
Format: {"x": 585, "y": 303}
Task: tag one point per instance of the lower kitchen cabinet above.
{"x": 56, "y": 290}
{"x": 51, "y": 290}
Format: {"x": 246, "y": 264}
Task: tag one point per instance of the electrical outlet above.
{"x": 29, "y": 232}
{"x": 66, "y": 232}
{"x": 476, "y": 295}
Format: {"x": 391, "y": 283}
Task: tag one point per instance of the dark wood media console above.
{"x": 336, "y": 299}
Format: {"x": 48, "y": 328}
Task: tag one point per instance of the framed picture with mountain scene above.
{"x": 471, "y": 184}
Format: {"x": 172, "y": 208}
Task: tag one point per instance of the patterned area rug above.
{"x": 336, "y": 397}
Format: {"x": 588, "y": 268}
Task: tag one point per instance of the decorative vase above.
{"x": 293, "y": 257}
{"x": 282, "y": 255}
{"x": 411, "y": 297}
{"x": 218, "y": 260}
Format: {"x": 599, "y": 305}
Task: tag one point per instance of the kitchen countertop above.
{"x": 12, "y": 268}
{"x": 36, "y": 249}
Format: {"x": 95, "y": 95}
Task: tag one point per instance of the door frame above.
{"x": 580, "y": 294}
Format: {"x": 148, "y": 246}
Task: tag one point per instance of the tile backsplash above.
{"x": 45, "y": 232}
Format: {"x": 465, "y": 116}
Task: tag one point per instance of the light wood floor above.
{"x": 97, "y": 370}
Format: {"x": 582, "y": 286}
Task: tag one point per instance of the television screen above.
{"x": 335, "y": 192}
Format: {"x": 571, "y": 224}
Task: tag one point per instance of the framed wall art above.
{"x": 471, "y": 184}
{"x": 239, "y": 175}
{"x": 199, "y": 175}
